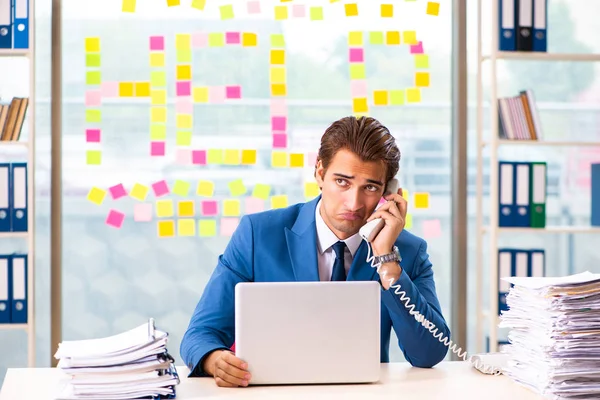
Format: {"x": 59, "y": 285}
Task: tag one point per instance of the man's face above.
{"x": 351, "y": 190}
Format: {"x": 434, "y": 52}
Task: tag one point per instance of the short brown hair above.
{"x": 366, "y": 137}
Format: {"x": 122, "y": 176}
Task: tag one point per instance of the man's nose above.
{"x": 353, "y": 200}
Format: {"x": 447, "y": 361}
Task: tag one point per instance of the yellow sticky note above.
{"x": 199, "y": 4}
{"x": 249, "y": 39}
{"x": 158, "y": 131}
{"x": 408, "y": 223}
{"x": 355, "y": 38}
{"x": 216, "y": 39}
{"x": 316, "y": 13}
{"x": 207, "y": 227}
{"x": 397, "y": 97}
{"x": 139, "y": 192}
{"x": 181, "y": 188}
{"x": 278, "y": 89}
{"x": 157, "y": 59}
{"x": 237, "y": 188}
{"x": 93, "y": 60}
{"x": 277, "y": 56}
{"x": 205, "y": 188}
{"x": 387, "y": 10}
{"x": 166, "y": 228}
{"x": 281, "y": 13}
{"x": 158, "y": 97}
{"x": 158, "y": 114}
{"x": 184, "y": 121}
{"x": 158, "y": 78}
{"x": 277, "y": 40}
{"x": 410, "y": 37}
{"x": 126, "y": 89}
{"x": 422, "y": 79}
{"x": 421, "y": 61}
{"x": 231, "y": 208}
{"x": 173, "y": 3}
{"x": 164, "y": 208}
{"x": 186, "y": 227}
{"x": 279, "y": 159}
{"x": 128, "y": 6}
{"x": 232, "y": 157}
{"x": 278, "y": 75}
{"x": 200, "y": 94}
{"x": 421, "y": 200}
{"x": 92, "y": 45}
{"x": 184, "y": 72}
{"x": 96, "y": 195}
{"x": 413, "y": 95}
{"x": 261, "y": 191}
{"x": 226, "y": 12}
{"x": 93, "y": 78}
{"x": 279, "y": 201}
{"x": 142, "y": 89}
{"x": 183, "y": 41}
{"x": 296, "y": 160}
{"x": 92, "y": 115}
{"x": 405, "y": 194}
{"x": 93, "y": 157}
{"x": 376, "y": 37}
{"x": 392, "y": 37}
{"x": 214, "y": 156}
{"x": 248, "y": 157}
{"x": 311, "y": 189}
{"x": 357, "y": 71}
{"x": 433, "y": 8}
{"x": 351, "y": 9}
{"x": 184, "y": 56}
{"x": 380, "y": 97}
{"x": 359, "y": 105}
{"x": 185, "y": 208}
{"x": 183, "y": 138}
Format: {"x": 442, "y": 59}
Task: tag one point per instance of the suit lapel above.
{"x": 302, "y": 243}
{"x": 361, "y": 270}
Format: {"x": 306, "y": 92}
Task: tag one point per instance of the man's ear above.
{"x": 319, "y": 174}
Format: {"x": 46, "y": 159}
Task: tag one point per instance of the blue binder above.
{"x": 595, "y": 194}
{"x": 18, "y": 264}
{"x": 5, "y": 197}
{"x": 18, "y": 178}
{"x": 5, "y": 24}
{"x": 506, "y": 268}
{"x": 506, "y": 194}
{"x": 540, "y": 24}
{"x": 21, "y": 24}
{"x": 506, "y": 25}
{"x": 522, "y": 185}
{"x": 5, "y": 289}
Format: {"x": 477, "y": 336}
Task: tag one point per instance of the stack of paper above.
{"x": 555, "y": 335}
{"x": 133, "y": 364}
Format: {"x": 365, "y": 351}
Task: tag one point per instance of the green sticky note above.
{"x": 181, "y": 188}
{"x": 226, "y": 12}
{"x": 158, "y": 78}
{"x": 376, "y": 38}
{"x": 184, "y": 138}
{"x": 237, "y": 188}
{"x": 421, "y": 61}
{"x": 216, "y": 39}
{"x": 93, "y": 157}
{"x": 184, "y": 56}
{"x": 277, "y": 40}
{"x": 93, "y": 115}
{"x": 215, "y": 156}
{"x": 357, "y": 71}
{"x": 207, "y": 227}
{"x": 261, "y": 191}
{"x": 396, "y": 97}
{"x": 93, "y": 77}
{"x": 158, "y": 132}
{"x": 316, "y": 13}
{"x": 92, "y": 60}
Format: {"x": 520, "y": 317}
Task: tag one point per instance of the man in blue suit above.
{"x": 319, "y": 241}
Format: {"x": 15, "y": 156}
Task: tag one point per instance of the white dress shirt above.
{"x": 325, "y": 253}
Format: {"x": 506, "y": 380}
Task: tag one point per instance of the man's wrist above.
{"x": 209, "y": 362}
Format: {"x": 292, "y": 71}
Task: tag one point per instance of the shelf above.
{"x": 540, "y": 56}
{"x": 548, "y": 229}
{"x": 12, "y": 327}
{"x": 543, "y": 143}
{"x": 13, "y": 143}
{"x": 14, "y": 52}
{"x": 9, "y": 235}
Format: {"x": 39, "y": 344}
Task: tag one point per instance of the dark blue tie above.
{"x": 339, "y": 272}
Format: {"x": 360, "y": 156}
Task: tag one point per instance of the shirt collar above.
{"x": 326, "y": 238}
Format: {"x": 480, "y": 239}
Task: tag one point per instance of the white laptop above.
{"x": 309, "y": 332}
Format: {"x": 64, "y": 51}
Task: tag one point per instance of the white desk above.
{"x": 399, "y": 381}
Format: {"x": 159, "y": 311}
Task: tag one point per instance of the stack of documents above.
{"x": 555, "y": 335}
{"x": 130, "y": 365}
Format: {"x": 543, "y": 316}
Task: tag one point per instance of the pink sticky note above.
{"x": 142, "y": 212}
{"x": 358, "y": 88}
{"x": 278, "y": 107}
{"x": 115, "y": 218}
{"x": 157, "y": 148}
{"x": 233, "y": 92}
{"x": 432, "y": 228}
{"x": 254, "y": 205}
{"x": 157, "y": 43}
{"x": 199, "y": 157}
{"x": 216, "y": 94}
{"x": 279, "y": 140}
{"x": 381, "y": 201}
{"x": 356, "y": 55}
{"x": 184, "y": 88}
{"x": 278, "y": 124}
{"x": 254, "y": 7}
{"x": 199, "y": 39}
{"x": 210, "y": 208}
{"x": 93, "y": 98}
{"x": 92, "y": 135}
{"x": 311, "y": 158}
{"x": 109, "y": 89}
{"x": 117, "y": 191}
{"x": 184, "y": 106}
{"x": 416, "y": 48}
{"x": 229, "y": 225}
{"x": 232, "y": 37}
{"x": 160, "y": 188}
{"x": 183, "y": 156}
{"x": 299, "y": 11}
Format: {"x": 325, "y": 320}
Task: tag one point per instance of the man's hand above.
{"x": 227, "y": 369}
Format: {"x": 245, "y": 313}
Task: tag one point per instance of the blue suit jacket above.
{"x": 281, "y": 245}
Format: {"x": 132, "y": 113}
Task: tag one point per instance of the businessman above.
{"x": 319, "y": 241}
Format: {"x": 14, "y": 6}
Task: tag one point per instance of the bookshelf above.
{"x": 492, "y": 231}
{"x": 29, "y": 145}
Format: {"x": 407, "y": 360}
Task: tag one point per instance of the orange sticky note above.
{"x": 277, "y": 56}
{"x": 166, "y": 228}
{"x": 296, "y": 160}
{"x": 359, "y": 105}
{"x": 142, "y": 89}
{"x": 422, "y": 79}
{"x": 392, "y": 37}
{"x": 126, "y": 89}
{"x": 186, "y": 208}
{"x": 249, "y": 39}
{"x": 380, "y": 97}
{"x": 184, "y": 72}
{"x": 278, "y": 89}
{"x": 433, "y": 8}
{"x": 248, "y": 157}
{"x": 351, "y": 9}
{"x": 387, "y": 10}
{"x": 172, "y": 3}
{"x": 421, "y": 200}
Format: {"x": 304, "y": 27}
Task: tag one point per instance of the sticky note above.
{"x": 200, "y": 94}
{"x": 278, "y": 89}
{"x": 279, "y": 123}
{"x": 261, "y": 191}
{"x": 226, "y": 12}
{"x": 397, "y": 97}
{"x": 216, "y": 39}
{"x": 117, "y": 191}
{"x": 279, "y": 140}
{"x": 142, "y": 212}
{"x": 237, "y": 188}
{"x": 183, "y": 56}
{"x": 92, "y": 135}
{"x": 198, "y": 4}
{"x": 92, "y": 60}
{"x": 157, "y": 59}
{"x": 422, "y": 79}
{"x": 392, "y": 38}
{"x": 253, "y": 7}
{"x": 432, "y": 229}
{"x": 166, "y": 228}
{"x": 209, "y": 208}
{"x": 158, "y": 114}
{"x": 231, "y": 207}
{"x": 128, "y": 6}
{"x": 231, "y": 157}
{"x": 279, "y": 159}
{"x": 357, "y": 54}
{"x": 279, "y": 201}
{"x": 421, "y": 61}
{"x": 215, "y": 156}
{"x": 160, "y": 188}
{"x": 93, "y": 78}
{"x": 205, "y": 188}
{"x": 142, "y": 89}
{"x": 199, "y": 39}
{"x": 96, "y": 195}
{"x": 183, "y": 156}
{"x": 158, "y": 131}
{"x": 248, "y": 157}
{"x": 358, "y": 88}
{"x": 277, "y": 40}
{"x": 183, "y": 138}
{"x": 157, "y": 148}
{"x": 126, "y": 89}
{"x": 92, "y": 45}
{"x": 254, "y": 205}
{"x": 207, "y": 228}
{"x": 296, "y": 160}
{"x": 186, "y": 208}
{"x": 164, "y": 208}
{"x": 359, "y": 105}
{"x": 109, "y": 89}
{"x": 249, "y": 39}
{"x": 357, "y": 71}
{"x": 93, "y": 115}
{"x": 186, "y": 227}
{"x": 299, "y": 11}
{"x": 139, "y": 192}
{"x": 184, "y": 106}
{"x": 355, "y": 38}
{"x": 173, "y": 3}
{"x": 433, "y": 8}
{"x": 184, "y": 88}
{"x": 277, "y": 75}
{"x": 316, "y": 13}
{"x": 158, "y": 78}
{"x": 183, "y": 72}
{"x": 376, "y": 37}
{"x": 181, "y": 188}
{"x": 233, "y": 92}
{"x": 311, "y": 190}
{"x": 421, "y": 200}
{"x": 229, "y": 225}
{"x": 184, "y": 121}
{"x": 115, "y": 219}
{"x": 351, "y": 9}
{"x": 380, "y": 97}
{"x": 410, "y": 37}
{"x": 405, "y": 194}
{"x": 199, "y": 157}
{"x": 281, "y": 13}
{"x": 157, "y": 43}
{"x": 413, "y": 95}
{"x": 278, "y": 107}
{"x": 216, "y": 94}
{"x": 408, "y": 221}
{"x": 387, "y": 10}
{"x": 232, "y": 37}
{"x": 277, "y": 56}
{"x": 183, "y": 41}
{"x": 93, "y": 157}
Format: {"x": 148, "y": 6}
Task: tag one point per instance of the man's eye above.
{"x": 372, "y": 188}
{"x": 341, "y": 182}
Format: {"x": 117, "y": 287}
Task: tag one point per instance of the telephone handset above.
{"x": 372, "y": 228}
